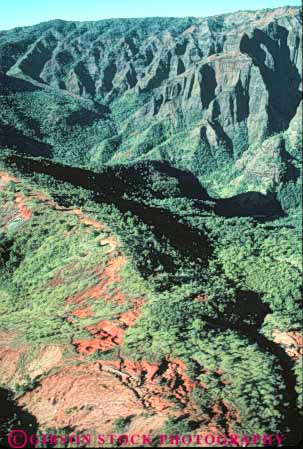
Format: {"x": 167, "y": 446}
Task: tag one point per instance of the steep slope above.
{"x": 112, "y": 291}
{"x": 203, "y": 94}
{"x": 150, "y": 270}
{"x": 78, "y": 271}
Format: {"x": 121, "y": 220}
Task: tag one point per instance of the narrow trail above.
{"x": 156, "y": 385}
{"x": 83, "y": 218}
{"x": 24, "y": 212}
{"x": 153, "y": 384}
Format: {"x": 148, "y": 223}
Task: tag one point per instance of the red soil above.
{"x": 106, "y": 334}
{"x": 108, "y": 277}
{"x": 83, "y": 313}
{"x": 90, "y": 396}
{"x": 291, "y": 341}
{"x": 87, "y": 220}
{"x": 8, "y": 364}
{"x": 201, "y": 298}
{"x": 81, "y": 397}
{"x": 5, "y": 178}
{"x": 127, "y": 318}
{"x": 156, "y": 385}
{"x": 24, "y": 212}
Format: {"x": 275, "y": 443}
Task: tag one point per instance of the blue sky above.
{"x": 28, "y": 12}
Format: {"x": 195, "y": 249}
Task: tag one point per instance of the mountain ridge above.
{"x": 150, "y": 184}
{"x": 58, "y": 20}
{"x": 198, "y": 93}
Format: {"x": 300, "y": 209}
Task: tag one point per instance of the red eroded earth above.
{"x": 89, "y": 395}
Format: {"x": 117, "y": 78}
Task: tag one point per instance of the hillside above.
{"x": 148, "y": 296}
{"x": 150, "y": 223}
{"x": 218, "y": 96}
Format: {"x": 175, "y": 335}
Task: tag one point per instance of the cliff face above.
{"x": 139, "y": 286}
{"x": 203, "y": 94}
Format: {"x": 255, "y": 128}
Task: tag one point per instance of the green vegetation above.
{"x": 120, "y": 424}
{"x": 142, "y": 125}
{"x": 139, "y": 91}
{"x": 213, "y": 302}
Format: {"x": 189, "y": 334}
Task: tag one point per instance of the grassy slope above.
{"x": 247, "y": 293}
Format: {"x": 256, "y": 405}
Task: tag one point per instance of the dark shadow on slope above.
{"x": 189, "y": 185}
{"x": 249, "y": 307}
{"x": 208, "y": 85}
{"x": 10, "y": 85}
{"x": 85, "y": 79}
{"x": 11, "y": 137}
{"x": 282, "y": 80}
{"x": 85, "y": 117}
{"x": 292, "y": 418}
{"x": 118, "y": 180}
{"x": 187, "y": 240}
{"x": 291, "y": 173}
{"x": 253, "y": 204}
{"x": 14, "y": 417}
{"x": 226, "y": 141}
{"x": 110, "y": 186}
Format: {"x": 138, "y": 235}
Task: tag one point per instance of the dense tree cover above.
{"x": 82, "y": 132}
{"x": 219, "y": 274}
{"x": 266, "y": 259}
{"x": 212, "y": 301}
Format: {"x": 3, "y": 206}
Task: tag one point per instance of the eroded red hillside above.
{"x": 87, "y": 383}
{"x": 69, "y": 389}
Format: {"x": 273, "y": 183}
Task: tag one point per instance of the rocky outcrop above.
{"x": 292, "y": 342}
{"x": 196, "y": 92}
